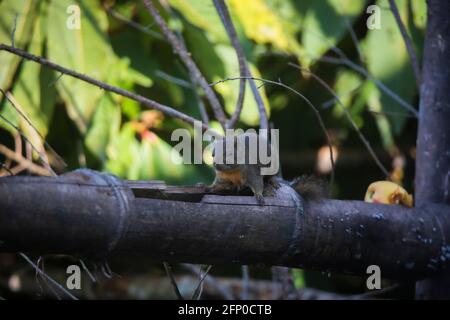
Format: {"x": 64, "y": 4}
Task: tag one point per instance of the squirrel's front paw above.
{"x": 259, "y": 198}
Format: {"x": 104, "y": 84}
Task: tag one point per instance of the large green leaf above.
{"x": 85, "y": 50}
{"x": 24, "y": 13}
{"x": 202, "y": 14}
{"x": 390, "y": 62}
{"x": 325, "y": 24}
{"x": 346, "y": 85}
{"x": 33, "y": 87}
{"x": 104, "y": 125}
{"x": 263, "y": 24}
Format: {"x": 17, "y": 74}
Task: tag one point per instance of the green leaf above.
{"x": 85, "y": 50}
{"x": 262, "y": 24}
{"x": 32, "y": 90}
{"x": 202, "y": 13}
{"x": 25, "y": 11}
{"x": 325, "y": 24}
{"x": 105, "y": 124}
{"x": 346, "y": 85}
{"x": 390, "y": 62}
{"x": 383, "y": 125}
{"x": 149, "y": 158}
{"x": 419, "y": 11}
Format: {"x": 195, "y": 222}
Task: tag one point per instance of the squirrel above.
{"x": 234, "y": 175}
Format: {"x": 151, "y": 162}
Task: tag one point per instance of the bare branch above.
{"x": 354, "y": 39}
{"x": 408, "y": 43}
{"x": 6, "y": 169}
{"x": 133, "y": 24}
{"x": 198, "y": 290}
{"x": 226, "y": 19}
{"x": 348, "y": 115}
{"x": 19, "y": 110}
{"x": 41, "y": 156}
{"x": 13, "y": 32}
{"x": 47, "y": 277}
{"x": 157, "y": 215}
{"x": 25, "y": 163}
{"x": 229, "y": 27}
{"x": 131, "y": 95}
{"x": 212, "y": 282}
{"x": 168, "y": 269}
{"x": 189, "y": 63}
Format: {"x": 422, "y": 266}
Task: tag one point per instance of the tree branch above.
{"x": 106, "y": 216}
{"x": 408, "y": 43}
{"x": 433, "y": 142}
{"x": 229, "y": 27}
{"x": 25, "y": 163}
{"x": 243, "y": 65}
{"x": 189, "y": 63}
{"x": 143, "y": 100}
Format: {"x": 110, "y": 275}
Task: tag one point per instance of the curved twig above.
{"x": 189, "y": 63}
{"x": 243, "y": 65}
{"x": 348, "y": 115}
{"x": 408, "y": 43}
{"x": 231, "y": 31}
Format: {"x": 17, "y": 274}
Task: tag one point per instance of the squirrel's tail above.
{"x": 310, "y": 187}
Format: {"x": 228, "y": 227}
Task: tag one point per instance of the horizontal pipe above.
{"x": 89, "y": 213}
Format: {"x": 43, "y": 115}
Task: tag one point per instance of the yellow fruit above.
{"x": 387, "y": 192}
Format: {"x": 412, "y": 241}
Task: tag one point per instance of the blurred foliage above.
{"x": 88, "y": 126}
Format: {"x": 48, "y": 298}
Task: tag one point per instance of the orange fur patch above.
{"x": 234, "y": 176}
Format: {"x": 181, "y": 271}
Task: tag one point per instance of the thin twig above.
{"x": 198, "y": 291}
{"x": 25, "y": 163}
{"x": 348, "y": 115}
{"x": 347, "y": 62}
{"x": 6, "y": 168}
{"x": 18, "y": 109}
{"x": 41, "y": 157}
{"x": 308, "y": 102}
{"x": 180, "y": 82}
{"x": 231, "y": 31}
{"x": 13, "y": 32}
{"x": 193, "y": 86}
{"x": 133, "y": 24}
{"x": 39, "y": 262}
{"x": 226, "y": 19}
{"x": 408, "y": 43}
{"x": 245, "y": 283}
{"x": 162, "y": 74}
{"x": 56, "y": 80}
{"x": 354, "y": 39}
{"x": 344, "y": 60}
{"x": 47, "y": 277}
{"x": 88, "y": 272}
{"x": 189, "y": 63}
{"x": 168, "y": 269}
{"x": 133, "y": 96}
{"x": 212, "y": 282}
